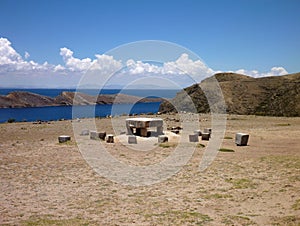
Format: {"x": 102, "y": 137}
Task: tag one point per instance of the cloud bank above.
{"x": 16, "y": 70}
{"x": 275, "y": 71}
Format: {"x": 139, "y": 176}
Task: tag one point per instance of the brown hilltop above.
{"x": 69, "y": 98}
{"x": 274, "y": 96}
{"x": 24, "y": 99}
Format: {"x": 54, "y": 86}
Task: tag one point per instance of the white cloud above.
{"x": 275, "y": 71}
{"x": 27, "y": 55}
{"x": 17, "y": 70}
{"x": 252, "y": 73}
{"x": 11, "y": 61}
{"x": 106, "y": 62}
{"x": 184, "y": 65}
{"x": 7, "y": 53}
{"x": 72, "y": 63}
{"x": 139, "y": 67}
{"x": 183, "y": 71}
{"x": 59, "y": 68}
{"x": 105, "y": 65}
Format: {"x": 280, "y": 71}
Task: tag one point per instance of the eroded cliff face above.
{"x": 273, "y": 96}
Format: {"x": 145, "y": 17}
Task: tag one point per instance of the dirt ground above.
{"x": 43, "y": 182}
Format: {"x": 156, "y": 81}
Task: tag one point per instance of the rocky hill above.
{"x": 69, "y": 98}
{"x": 273, "y": 96}
{"x": 26, "y": 99}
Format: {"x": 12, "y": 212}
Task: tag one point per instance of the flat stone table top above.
{"x": 145, "y": 122}
{"x": 144, "y": 119}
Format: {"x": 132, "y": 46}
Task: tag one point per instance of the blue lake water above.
{"x": 65, "y": 112}
{"x": 164, "y": 93}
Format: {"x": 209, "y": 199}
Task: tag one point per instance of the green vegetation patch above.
{"x": 241, "y": 183}
{"x": 237, "y": 220}
{"x": 236, "y": 118}
{"x": 286, "y": 220}
{"x": 294, "y": 178}
{"x": 167, "y": 145}
{"x": 43, "y": 221}
{"x": 296, "y": 205}
{"x": 283, "y": 124}
{"x": 288, "y": 162}
{"x": 218, "y": 196}
{"x": 226, "y": 150}
{"x": 228, "y": 138}
{"x": 11, "y": 120}
{"x": 180, "y": 217}
{"x": 200, "y": 145}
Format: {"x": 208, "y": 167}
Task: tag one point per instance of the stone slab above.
{"x": 85, "y": 132}
{"x": 198, "y": 132}
{"x": 102, "y": 135}
{"x": 132, "y": 139}
{"x": 207, "y": 130}
{"x": 94, "y": 135}
{"x": 241, "y": 139}
{"x": 63, "y": 138}
{"x": 205, "y": 136}
{"x": 110, "y": 138}
{"x": 193, "y": 138}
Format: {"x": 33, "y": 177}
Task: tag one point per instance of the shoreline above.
{"x": 229, "y": 116}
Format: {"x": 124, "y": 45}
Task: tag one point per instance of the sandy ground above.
{"x": 43, "y": 182}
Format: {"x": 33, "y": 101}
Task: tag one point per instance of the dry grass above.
{"x": 167, "y": 145}
{"x": 43, "y": 182}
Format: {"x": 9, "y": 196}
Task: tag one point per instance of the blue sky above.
{"x": 251, "y": 36}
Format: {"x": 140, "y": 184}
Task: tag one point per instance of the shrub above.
{"x": 226, "y": 150}
{"x": 11, "y": 120}
{"x": 200, "y": 145}
{"x": 167, "y": 145}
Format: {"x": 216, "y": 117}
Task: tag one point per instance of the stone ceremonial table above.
{"x": 144, "y": 126}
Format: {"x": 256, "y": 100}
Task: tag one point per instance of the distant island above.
{"x": 21, "y": 99}
{"x": 244, "y": 95}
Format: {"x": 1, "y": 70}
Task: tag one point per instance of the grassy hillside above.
{"x": 274, "y": 96}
